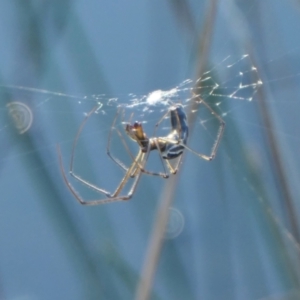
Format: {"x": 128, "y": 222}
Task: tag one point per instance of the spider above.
{"x": 169, "y": 147}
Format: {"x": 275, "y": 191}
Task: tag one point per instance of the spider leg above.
{"x": 85, "y": 182}
{"x": 71, "y": 188}
{"x": 117, "y": 161}
{"x": 165, "y": 162}
{"x": 161, "y": 174}
{"x": 133, "y": 169}
{"x": 138, "y": 168}
{"x": 219, "y": 135}
{"x": 71, "y": 172}
{"x": 77, "y": 136}
{"x": 172, "y": 169}
{"x": 141, "y": 166}
{"x": 111, "y": 198}
{"x": 177, "y": 127}
{"x": 159, "y": 121}
{"x": 130, "y": 154}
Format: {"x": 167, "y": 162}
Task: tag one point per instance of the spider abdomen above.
{"x": 172, "y": 151}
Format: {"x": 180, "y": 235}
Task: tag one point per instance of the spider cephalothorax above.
{"x": 137, "y": 134}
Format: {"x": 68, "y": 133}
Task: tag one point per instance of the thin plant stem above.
{"x": 156, "y": 240}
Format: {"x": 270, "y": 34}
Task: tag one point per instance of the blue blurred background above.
{"x": 233, "y": 231}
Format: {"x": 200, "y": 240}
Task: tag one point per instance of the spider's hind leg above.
{"x": 220, "y": 133}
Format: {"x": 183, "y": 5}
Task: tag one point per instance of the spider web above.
{"x": 230, "y": 216}
{"x": 229, "y": 88}
{"x": 229, "y": 85}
